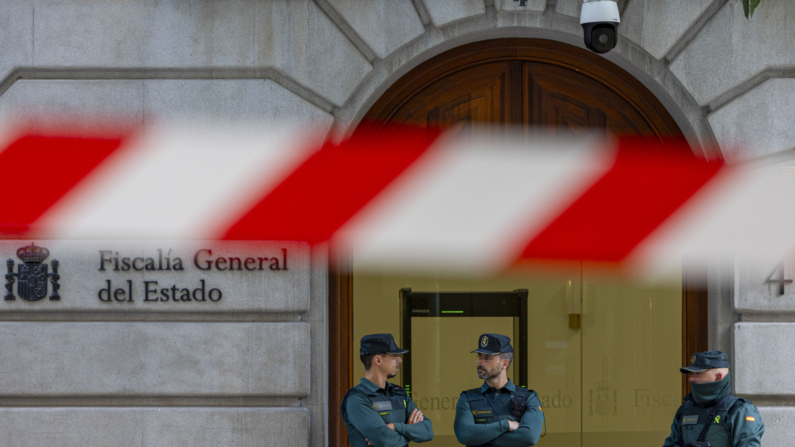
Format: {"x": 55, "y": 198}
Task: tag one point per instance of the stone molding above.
{"x": 153, "y": 427}
{"x": 762, "y": 359}
{"x": 162, "y": 360}
{"x": 778, "y": 425}
{"x": 446, "y": 12}
{"x": 758, "y": 122}
{"x": 754, "y": 294}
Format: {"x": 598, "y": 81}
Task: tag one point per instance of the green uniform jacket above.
{"x": 496, "y": 432}
{"x": 741, "y": 427}
{"x": 363, "y": 421}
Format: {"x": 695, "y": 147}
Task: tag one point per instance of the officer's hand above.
{"x": 368, "y": 441}
{"x": 512, "y": 425}
{"x": 416, "y": 416}
{"x": 391, "y": 426}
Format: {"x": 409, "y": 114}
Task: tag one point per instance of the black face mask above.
{"x": 707, "y": 393}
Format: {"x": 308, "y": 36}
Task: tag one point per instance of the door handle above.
{"x": 574, "y": 304}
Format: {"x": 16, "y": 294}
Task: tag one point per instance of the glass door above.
{"x": 632, "y": 350}
{"x": 603, "y": 354}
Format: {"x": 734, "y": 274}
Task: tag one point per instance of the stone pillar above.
{"x": 763, "y": 351}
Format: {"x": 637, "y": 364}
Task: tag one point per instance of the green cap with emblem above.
{"x": 703, "y": 361}
{"x": 493, "y": 344}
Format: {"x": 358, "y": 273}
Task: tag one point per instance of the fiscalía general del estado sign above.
{"x": 165, "y": 276}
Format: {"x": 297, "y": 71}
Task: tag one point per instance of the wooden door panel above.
{"x": 472, "y": 112}
{"x": 567, "y": 117}
{"x": 569, "y": 102}
{"x": 469, "y": 98}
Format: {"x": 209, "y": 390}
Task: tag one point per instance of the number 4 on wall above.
{"x": 778, "y": 280}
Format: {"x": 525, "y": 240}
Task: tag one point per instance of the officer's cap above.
{"x": 493, "y": 344}
{"x": 703, "y": 361}
{"x": 380, "y": 344}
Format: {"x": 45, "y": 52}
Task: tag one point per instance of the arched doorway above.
{"x": 526, "y": 83}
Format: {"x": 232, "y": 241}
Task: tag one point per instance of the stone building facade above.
{"x": 727, "y": 81}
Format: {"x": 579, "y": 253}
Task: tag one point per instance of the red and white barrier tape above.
{"x": 406, "y": 197}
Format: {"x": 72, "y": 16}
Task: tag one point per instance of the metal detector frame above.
{"x": 464, "y": 304}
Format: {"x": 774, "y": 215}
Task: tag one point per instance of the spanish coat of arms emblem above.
{"x": 603, "y": 402}
{"x": 32, "y": 275}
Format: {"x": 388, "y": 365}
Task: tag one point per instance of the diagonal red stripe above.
{"x": 642, "y": 189}
{"x": 331, "y": 186}
{"x": 37, "y": 171}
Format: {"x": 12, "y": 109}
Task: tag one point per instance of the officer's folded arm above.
{"x": 417, "y": 432}
{"x": 366, "y": 420}
{"x": 470, "y": 433}
{"x": 529, "y": 430}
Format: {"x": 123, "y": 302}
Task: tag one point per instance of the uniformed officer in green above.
{"x": 376, "y": 412}
{"x": 710, "y": 415}
{"x": 498, "y": 413}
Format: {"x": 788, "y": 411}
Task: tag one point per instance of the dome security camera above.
{"x": 600, "y": 20}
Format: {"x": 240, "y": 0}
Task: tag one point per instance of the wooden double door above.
{"x": 526, "y": 83}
